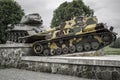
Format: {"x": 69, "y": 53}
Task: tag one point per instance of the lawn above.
{"x": 112, "y": 51}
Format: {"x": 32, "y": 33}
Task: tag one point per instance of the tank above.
{"x": 30, "y": 24}
{"x": 77, "y": 35}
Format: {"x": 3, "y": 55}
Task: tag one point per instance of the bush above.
{"x": 116, "y": 44}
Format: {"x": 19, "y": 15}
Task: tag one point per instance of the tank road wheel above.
{"x": 38, "y": 48}
{"x": 58, "y": 51}
{"x": 19, "y": 41}
{"x": 46, "y": 52}
{"x": 79, "y": 47}
{"x": 65, "y": 50}
{"x": 87, "y": 47}
{"x": 23, "y": 40}
{"x": 72, "y": 49}
{"x": 53, "y": 52}
{"x": 95, "y": 45}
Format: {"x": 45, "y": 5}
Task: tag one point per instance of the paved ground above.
{"x": 16, "y": 74}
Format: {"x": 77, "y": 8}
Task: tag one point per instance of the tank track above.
{"x": 79, "y": 43}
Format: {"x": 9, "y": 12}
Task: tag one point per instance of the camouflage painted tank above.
{"x": 77, "y": 35}
{"x": 29, "y": 25}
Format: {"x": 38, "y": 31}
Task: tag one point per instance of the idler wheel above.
{"x": 65, "y": 50}
{"x": 46, "y": 52}
{"x": 72, "y": 49}
{"x": 38, "y": 48}
{"x": 58, "y": 51}
{"x": 87, "y": 47}
{"x": 79, "y": 47}
{"x": 95, "y": 45}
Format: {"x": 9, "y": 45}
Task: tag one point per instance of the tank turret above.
{"x": 32, "y": 19}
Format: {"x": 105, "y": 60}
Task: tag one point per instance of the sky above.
{"x": 107, "y": 11}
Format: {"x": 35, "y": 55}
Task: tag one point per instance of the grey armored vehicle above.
{"x": 29, "y": 25}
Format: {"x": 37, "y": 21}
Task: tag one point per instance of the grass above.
{"x": 112, "y": 51}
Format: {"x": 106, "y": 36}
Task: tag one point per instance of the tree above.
{"x": 10, "y": 13}
{"x": 68, "y": 10}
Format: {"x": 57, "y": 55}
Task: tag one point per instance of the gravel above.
{"x": 17, "y": 74}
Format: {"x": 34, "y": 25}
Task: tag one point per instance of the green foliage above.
{"x": 111, "y": 51}
{"x": 10, "y": 13}
{"x": 68, "y": 10}
{"x": 2, "y": 67}
{"x": 2, "y": 34}
{"x": 116, "y": 44}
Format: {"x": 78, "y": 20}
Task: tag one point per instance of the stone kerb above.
{"x": 93, "y": 61}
